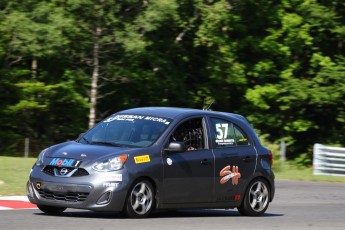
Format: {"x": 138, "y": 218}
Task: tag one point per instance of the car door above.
{"x": 189, "y": 175}
{"x": 235, "y": 158}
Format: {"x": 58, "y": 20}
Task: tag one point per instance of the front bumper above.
{"x": 98, "y": 192}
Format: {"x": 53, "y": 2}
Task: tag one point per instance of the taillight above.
{"x": 271, "y": 157}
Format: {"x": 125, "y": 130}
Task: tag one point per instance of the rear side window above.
{"x": 241, "y": 137}
{"x": 226, "y": 134}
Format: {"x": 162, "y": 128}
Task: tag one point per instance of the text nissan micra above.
{"x": 142, "y": 159}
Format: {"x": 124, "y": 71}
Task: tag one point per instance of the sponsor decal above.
{"x": 112, "y": 177}
{"x": 110, "y": 185}
{"x": 169, "y": 161}
{"x": 142, "y": 159}
{"x": 225, "y": 142}
{"x": 227, "y": 174}
{"x": 64, "y": 162}
{"x": 137, "y": 117}
{"x": 58, "y": 187}
{"x": 223, "y": 134}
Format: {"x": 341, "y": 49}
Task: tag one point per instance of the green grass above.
{"x": 292, "y": 172}
{"x": 14, "y": 173}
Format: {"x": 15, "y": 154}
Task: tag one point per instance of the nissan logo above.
{"x": 63, "y": 171}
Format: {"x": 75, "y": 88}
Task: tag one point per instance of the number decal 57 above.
{"x": 222, "y": 131}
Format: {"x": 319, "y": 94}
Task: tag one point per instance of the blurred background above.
{"x": 67, "y": 64}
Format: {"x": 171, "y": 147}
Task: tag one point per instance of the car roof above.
{"x": 178, "y": 113}
{"x": 173, "y": 112}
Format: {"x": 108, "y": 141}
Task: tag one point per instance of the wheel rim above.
{"x": 258, "y": 196}
{"x": 141, "y": 198}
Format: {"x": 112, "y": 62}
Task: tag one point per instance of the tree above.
{"x": 35, "y": 37}
{"x": 115, "y": 36}
{"x": 279, "y": 63}
{"x": 301, "y": 94}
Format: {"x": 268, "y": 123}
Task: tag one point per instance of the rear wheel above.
{"x": 140, "y": 200}
{"x": 51, "y": 210}
{"x": 256, "y": 199}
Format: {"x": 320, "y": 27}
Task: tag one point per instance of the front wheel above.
{"x": 51, "y": 210}
{"x": 256, "y": 199}
{"x": 140, "y": 200}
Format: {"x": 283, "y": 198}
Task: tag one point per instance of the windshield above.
{"x": 127, "y": 130}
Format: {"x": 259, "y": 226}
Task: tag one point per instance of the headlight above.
{"x": 40, "y": 158}
{"x": 110, "y": 164}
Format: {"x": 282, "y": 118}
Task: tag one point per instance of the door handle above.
{"x": 247, "y": 159}
{"x": 206, "y": 162}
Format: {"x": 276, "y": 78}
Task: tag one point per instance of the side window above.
{"x": 241, "y": 137}
{"x": 190, "y": 132}
{"x": 226, "y": 134}
{"x": 223, "y": 133}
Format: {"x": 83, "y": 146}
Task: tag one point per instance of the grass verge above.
{"x": 292, "y": 172}
{"x": 14, "y": 173}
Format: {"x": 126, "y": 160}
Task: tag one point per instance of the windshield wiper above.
{"x": 86, "y": 140}
{"x": 105, "y": 143}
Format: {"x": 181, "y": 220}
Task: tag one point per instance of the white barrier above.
{"x": 329, "y": 160}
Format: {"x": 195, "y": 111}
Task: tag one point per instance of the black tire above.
{"x": 140, "y": 200}
{"x": 51, "y": 210}
{"x": 256, "y": 198}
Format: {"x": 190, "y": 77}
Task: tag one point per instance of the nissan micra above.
{"x": 142, "y": 159}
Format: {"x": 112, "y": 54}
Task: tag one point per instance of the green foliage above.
{"x": 302, "y": 160}
{"x": 39, "y": 101}
{"x": 36, "y": 33}
{"x": 303, "y": 86}
{"x": 281, "y": 64}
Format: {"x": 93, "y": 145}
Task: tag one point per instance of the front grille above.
{"x": 80, "y": 172}
{"x": 49, "y": 170}
{"x": 55, "y": 171}
{"x": 68, "y": 197}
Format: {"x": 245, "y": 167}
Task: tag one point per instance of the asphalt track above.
{"x": 297, "y": 205}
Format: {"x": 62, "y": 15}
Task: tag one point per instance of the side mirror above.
{"x": 80, "y": 136}
{"x": 176, "y": 146}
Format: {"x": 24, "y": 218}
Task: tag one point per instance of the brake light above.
{"x": 271, "y": 157}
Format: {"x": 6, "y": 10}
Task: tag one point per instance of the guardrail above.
{"x": 329, "y": 160}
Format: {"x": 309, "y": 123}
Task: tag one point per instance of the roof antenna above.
{"x": 208, "y": 102}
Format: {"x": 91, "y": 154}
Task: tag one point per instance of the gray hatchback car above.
{"x": 142, "y": 159}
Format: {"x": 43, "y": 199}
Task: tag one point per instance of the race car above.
{"x": 142, "y": 159}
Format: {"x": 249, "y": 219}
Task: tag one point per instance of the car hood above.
{"x": 84, "y": 152}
